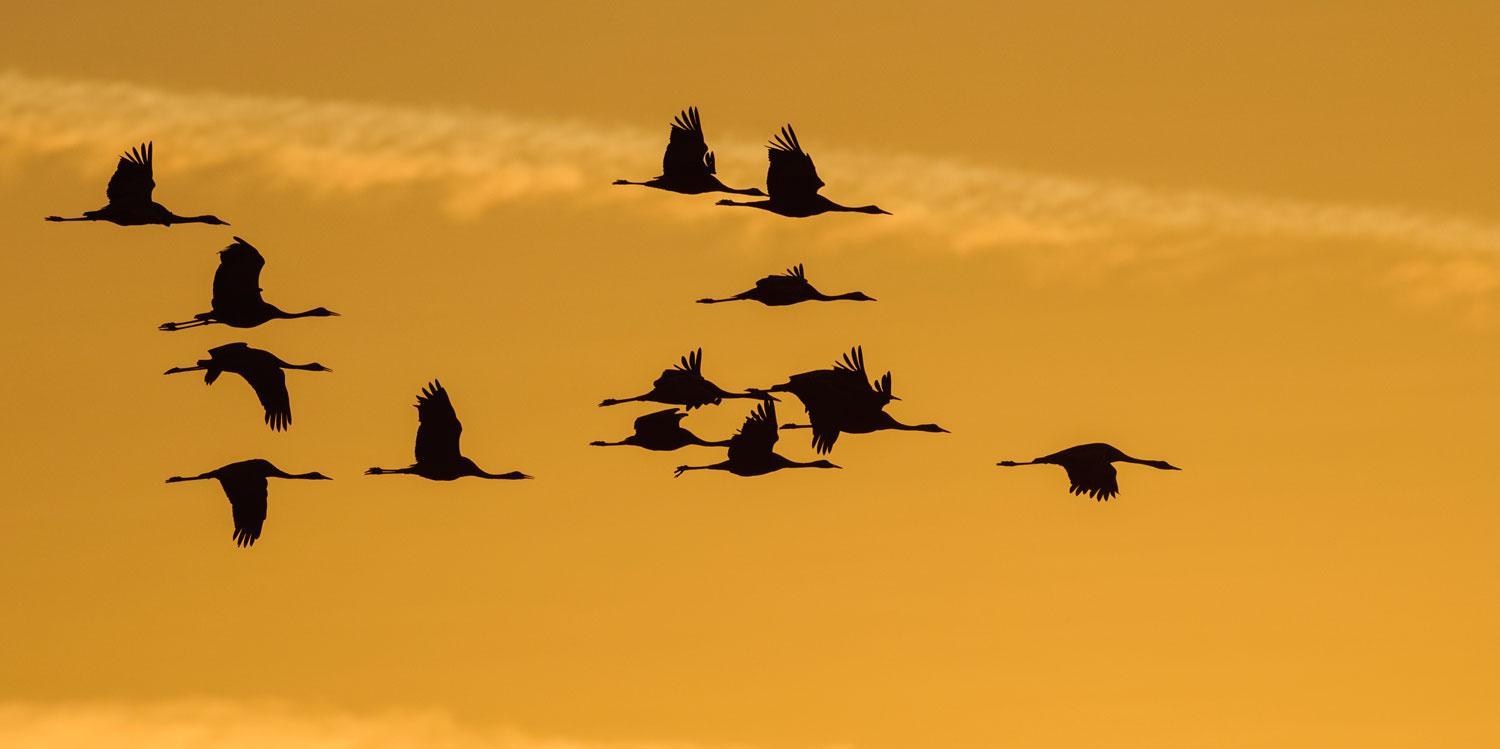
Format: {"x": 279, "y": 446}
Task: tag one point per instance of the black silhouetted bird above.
{"x": 237, "y": 302}
{"x": 843, "y": 399}
{"x": 684, "y": 385}
{"x": 751, "y": 449}
{"x": 129, "y": 194}
{"x": 245, "y": 485}
{"x": 438, "y": 430}
{"x": 663, "y": 431}
{"x": 1090, "y": 469}
{"x": 688, "y": 165}
{"x": 793, "y": 183}
{"x": 262, "y": 369}
{"x": 786, "y": 288}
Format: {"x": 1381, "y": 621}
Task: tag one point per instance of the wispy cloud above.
{"x": 222, "y": 724}
{"x": 469, "y": 161}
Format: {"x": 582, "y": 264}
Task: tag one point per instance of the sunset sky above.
{"x": 1259, "y": 240}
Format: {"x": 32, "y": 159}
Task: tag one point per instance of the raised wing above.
{"x": 757, "y": 436}
{"x": 687, "y": 154}
{"x": 1092, "y": 479}
{"x": 791, "y": 175}
{"x": 438, "y": 429}
{"x": 131, "y": 184}
{"x": 792, "y": 277}
{"x": 237, "y": 280}
{"x": 665, "y": 419}
{"x": 247, "y": 503}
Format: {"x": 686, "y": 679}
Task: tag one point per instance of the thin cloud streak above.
{"x": 225, "y": 724}
{"x": 471, "y": 161}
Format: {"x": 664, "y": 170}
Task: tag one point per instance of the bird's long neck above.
{"x": 853, "y": 296}
{"x": 313, "y": 367}
{"x": 513, "y": 475}
{"x": 384, "y": 471}
{"x": 796, "y": 426}
{"x": 310, "y": 475}
{"x": 720, "y": 466}
{"x": 290, "y": 315}
{"x": 858, "y": 208}
{"x": 707, "y": 300}
{"x": 73, "y": 218}
{"x": 204, "y": 219}
{"x": 746, "y": 203}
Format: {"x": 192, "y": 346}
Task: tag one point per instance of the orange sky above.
{"x": 1259, "y": 243}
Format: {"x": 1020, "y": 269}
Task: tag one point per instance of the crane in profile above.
{"x": 688, "y": 166}
{"x": 262, "y": 369}
{"x": 438, "y": 431}
{"x": 1090, "y": 468}
{"x": 237, "y": 301}
{"x": 685, "y": 385}
{"x": 663, "y": 431}
{"x": 751, "y": 450}
{"x": 844, "y": 400}
{"x": 793, "y": 183}
{"x": 129, "y": 194}
{"x": 791, "y": 287}
{"x": 245, "y": 485}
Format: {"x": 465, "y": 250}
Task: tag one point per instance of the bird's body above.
{"x": 688, "y": 166}
{"x": 129, "y": 194}
{"x": 437, "y": 451}
{"x": 793, "y": 183}
{"x": 244, "y": 483}
{"x": 1090, "y": 468}
{"x": 751, "y": 450}
{"x": 685, "y": 385}
{"x": 844, "y": 400}
{"x": 791, "y": 287}
{"x": 261, "y": 369}
{"x": 661, "y": 431}
{"x": 237, "y": 301}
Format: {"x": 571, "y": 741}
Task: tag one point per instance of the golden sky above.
{"x": 1257, "y": 240}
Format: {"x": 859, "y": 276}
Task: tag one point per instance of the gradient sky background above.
{"x": 1258, "y": 241}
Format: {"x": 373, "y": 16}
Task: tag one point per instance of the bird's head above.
{"x": 318, "y": 476}
{"x": 859, "y": 296}
{"x": 215, "y": 220}
{"x": 822, "y": 464}
{"x": 1163, "y": 465}
{"x": 756, "y": 191}
{"x": 930, "y": 428}
{"x": 873, "y": 209}
{"x": 316, "y": 367}
{"x": 321, "y": 312}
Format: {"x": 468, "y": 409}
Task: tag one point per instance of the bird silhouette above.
{"x": 793, "y": 183}
{"x": 438, "y": 430}
{"x": 786, "y": 288}
{"x": 688, "y": 165}
{"x": 662, "y": 431}
{"x": 129, "y": 194}
{"x": 237, "y": 302}
{"x": 245, "y": 485}
{"x": 751, "y": 449}
{"x": 1090, "y": 469}
{"x": 843, "y": 399}
{"x": 262, "y": 369}
{"x": 684, "y": 385}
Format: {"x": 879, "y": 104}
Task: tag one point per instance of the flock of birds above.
{"x": 842, "y": 399}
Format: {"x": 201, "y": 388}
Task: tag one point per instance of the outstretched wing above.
{"x": 438, "y": 428}
{"x": 791, "y": 175}
{"x": 247, "y": 503}
{"x": 237, "y": 280}
{"x": 665, "y": 419}
{"x": 793, "y": 277}
{"x": 1092, "y": 479}
{"x": 757, "y": 436}
{"x": 131, "y": 184}
{"x": 269, "y": 384}
{"x": 687, "y": 154}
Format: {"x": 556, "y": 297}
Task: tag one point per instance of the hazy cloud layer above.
{"x": 468, "y": 161}
{"x": 212, "y": 724}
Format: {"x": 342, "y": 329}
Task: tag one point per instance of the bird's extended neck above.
{"x": 720, "y": 466}
{"x": 861, "y": 209}
{"x": 204, "y": 219}
{"x": 512, "y": 476}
